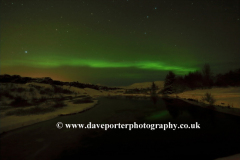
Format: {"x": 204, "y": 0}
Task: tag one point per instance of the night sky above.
{"x": 118, "y": 42}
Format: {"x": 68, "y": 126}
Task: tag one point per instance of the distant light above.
{"x": 25, "y": 51}
{"x": 155, "y": 8}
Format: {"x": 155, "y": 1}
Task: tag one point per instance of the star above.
{"x": 147, "y": 16}
{"x": 25, "y": 51}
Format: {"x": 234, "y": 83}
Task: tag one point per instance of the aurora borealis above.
{"x": 118, "y": 42}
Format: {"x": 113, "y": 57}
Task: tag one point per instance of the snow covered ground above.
{"x": 227, "y": 100}
{"x": 38, "y": 91}
{"x": 159, "y": 84}
{"x": 12, "y": 122}
{"x": 224, "y": 96}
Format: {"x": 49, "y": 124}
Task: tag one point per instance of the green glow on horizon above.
{"x": 53, "y": 62}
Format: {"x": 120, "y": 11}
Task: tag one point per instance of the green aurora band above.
{"x": 53, "y": 62}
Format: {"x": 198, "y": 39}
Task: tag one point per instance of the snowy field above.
{"x": 59, "y": 100}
